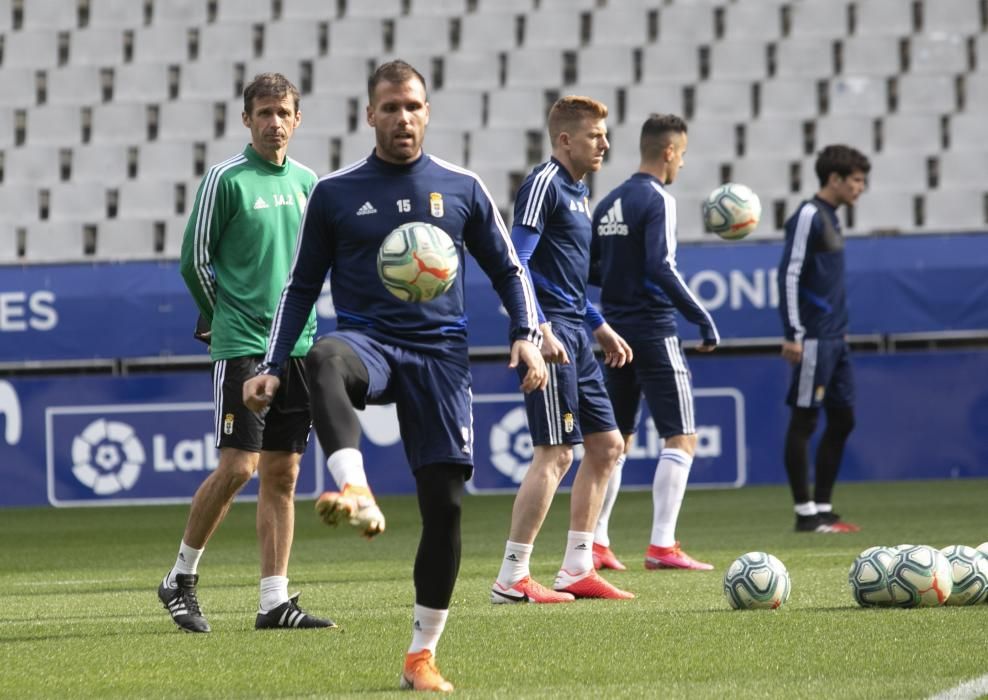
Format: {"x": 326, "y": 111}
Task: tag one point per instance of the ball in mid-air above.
{"x": 732, "y": 211}
{"x": 418, "y": 262}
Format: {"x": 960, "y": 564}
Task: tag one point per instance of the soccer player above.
{"x": 634, "y": 251}
{"x": 390, "y": 351}
{"x": 236, "y": 255}
{"x": 551, "y": 232}
{"x": 813, "y": 305}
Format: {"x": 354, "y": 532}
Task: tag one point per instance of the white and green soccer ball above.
{"x": 983, "y": 548}
{"x": 920, "y": 576}
{"x": 732, "y": 211}
{"x": 756, "y": 580}
{"x": 969, "y": 571}
{"x": 418, "y": 262}
{"x": 868, "y": 577}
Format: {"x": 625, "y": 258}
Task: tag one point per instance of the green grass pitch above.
{"x": 79, "y": 616}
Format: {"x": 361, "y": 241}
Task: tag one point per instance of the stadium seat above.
{"x": 553, "y": 29}
{"x": 708, "y": 138}
{"x": 6, "y": 126}
{"x": 119, "y": 122}
{"x": 126, "y": 239}
{"x": 19, "y": 87}
{"x": 857, "y": 96}
{"x": 517, "y": 107}
{"x": 671, "y": 61}
{"x": 497, "y": 182}
{"x": 975, "y": 91}
{"x": 187, "y": 13}
{"x": 623, "y": 139}
{"x": 356, "y": 146}
{"x": 473, "y": 70}
{"x": 360, "y": 36}
{"x": 884, "y": 211}
{"x": 8, "y": 243}
{"x": 291, "y": 68}
{"x": 489, "y": 32}
{"x": 30, "y": 48}
{"x": 748, "y": 20}
{"x": 38, "y": 165}
{"x": 907, "y": 131}
{"x": 926, "y": 94}
{"x": 698, "y": 176}
{"x": 188, "y": 120}
{"x": 218, "y": 42}
{"x": 423, "y": 35}
{"x": 739, "y": 59}
{"x": 74, "y": 85}
{"x": 513, "y": 6}
{"x": 957, "y": 208}
{"x": 49, "y": 14}
{"x": 856, "y": 131}
{"x": 904, "y": 171}
{"x": 147, "y": 199}
{"x": 336, "y": 75}
{"x": 937, "y": 54}
{"x": 498, "y": 148}
{"x": 534, "y": 67}
{"x": 619, "y": 26}
{"x": 689, "y": 217}
{"x": 6, "y": 16}
{"x": 769, "y": 177}
{"x": 379, "y": 9}
{"x": 142, "y": 82}
{"x": 883, "y": 18}
{"x": 161, "y": 43}
{"x": 773, "y": 137}
{"x": 789, "y": 97}
{"x": 967, "y": 131}
{"x": 116, "y": 14}
{"x": 54, "y": 124}
{"x": 438, "y": 8}
{"x": 77, "y": 201}
{"x": 694, "y": 20}
{"x": 233, "y": 11}
{"x": 964, "y": 168}
{"x": 819, "y": 18}
{"x": 19, "y": 202}
{"x": 870, "y": 55}
{"x": 96, "y": 46}
{"x": 954, "y": 17}
{"x": 295, "y": 39}
{"x": 213, "y": 79}
{"x": 810, "y": 57}
{"x": 452, "y": 109}
{"x": 312, "y": 151}
{"x": 166, "y": 160}
{"x": 54, "y": 241}
{"x": 107, "y": 163}
{"x": 174, "y": 233}
{"x": 643, "y": 100}
{"x": 448, "y": 144}
{"x": 723, "y": 99}
{"x": 219, "y": 150}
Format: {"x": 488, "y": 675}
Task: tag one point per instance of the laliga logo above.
{"x": 511, "y": 445}
{"x": 107, "y": 457}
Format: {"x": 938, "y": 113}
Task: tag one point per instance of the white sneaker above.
{"x": 355, "y": 505}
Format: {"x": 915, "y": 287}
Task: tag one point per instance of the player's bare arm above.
{"x": 792, "y": 351}
{"x": 537, "y": 376}
{"x": 552, "y": 349}
{"x": 260, "y": 390}
{"x": 617, "y": 352}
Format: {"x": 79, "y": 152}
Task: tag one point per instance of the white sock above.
{"x": 274, "y": 592}
{"x": 600, "y": 535}
{"x": 824, "y": 508}
{"x": 804, "y": 509}
{"x": 668, "y": 489}
{"x": 427, "y": 628}
{"x": 579, "y": 552}
{"x": 187, "y": 562}
{"x": 347, "y": 467}
{"x": 514, "y": 566}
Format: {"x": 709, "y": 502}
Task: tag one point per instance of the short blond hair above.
{"x": 569, "y": 111}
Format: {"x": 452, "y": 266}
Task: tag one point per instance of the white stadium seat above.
{"x": 739, "y": 59}
{"x": 312, "y": 151}
{"x": 498, "y": 148}
{"x": 643, "y": 100}
{"x": 161, "y": 43}
{"x": 698, "y": 176}
{"x": 769, "y": 177}
{"x": 218, "y": 42}
{"x": 707, "y": 138}
{"x": 619, "y": 26}
{"x": 789, "y": 97}
{"x": 296, "y": 39}
{"x": 147, "y": 199}
{"x": 99, "y": 162}
{"x": 817, "y": 18}
{"x": 30, "y": 48}
{"x": 488, "y": 32}
{"x": 957, "y": 208}
{"x": 19, "y": 202}
{"x": 953, "y": 16}
{"x": 671, "y": 61}
{"x": 870, "y": 55}
{"x": 126, "y": 239}
{"x": 54, "y": 124}
{"x": 884, "y": 210}
{"x": 96, "y": 46}
{"x": 74, "y": 85}
{"x": 141, "y": 82}
{"x": 452, "y": 109}
{"x": 119, "y": 122}
{"x": 967, "y": 132}
{"x": 724, "y": 99}
{"x": 559, "y": 29}
{"x": 422, "y": 35}
{"x": 187, "y": 120}
{"x": 77, "y": 201}
{"x": 38, "y": 165}
{"x": 857, "y": 95}
{"x": 54, "y": 241}
{"x": 517, "y": 107}
{"x": 534, "y": 67}
{"x": 439, "y": 8}
{"x": 166, "y": 160}
{"x": 18, "y": 87}
{"x": 904, "y": 171}
{"x": 332, "y": 75}
{"x": 243, "y": 11}
{"x": 207, "y": 80}
{"x": 753, "y": 19}
{"x": 926, "y": 94}
{"x": 942, "y": 53}
{"x": 49, "y": 14}
{"x": 773, "y": 137}
{"x": 116, "y": 13}
{"x": 8, "y": 242}
{"x": 6, "y": 126}
{"x": 605, "y": 65}
{"x": 379, "y": 9}
{"x": 187, "y": 13}
{"x": 474, "y": 70}
{"x": 883, "y": 17}
{"x": 854, "y": 131}
{"x": 964, "y": 169}
{"x": 361, "y": 36}
{"x": 909, "y": 131}
{"x": 810, "y": 57}
{"x": 448, "y": 144}
{"x": 687, "y": 19}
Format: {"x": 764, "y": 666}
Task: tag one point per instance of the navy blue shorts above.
{"x": 432, "y": 396}
{"x": 575, "y": 403}
{"x": 659, "y": 371}
{"x": 824, "y": 376}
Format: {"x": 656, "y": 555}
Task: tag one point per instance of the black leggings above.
{"x": 437, "y": 563}
{"x": 830, "y": 451}
{"x": 338, "y": 381}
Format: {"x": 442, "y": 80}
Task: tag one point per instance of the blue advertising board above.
{"x": 905, "y": 284}
{"x": 96, "y": 440}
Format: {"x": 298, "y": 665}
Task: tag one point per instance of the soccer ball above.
{"x": 983, "y": 548}
{"x": 417, "y": 262}
{"x": 969, "y": 569}
{"x": 756, "y": 580}
{"x": 732, "y": 211}
{"x": 919, "y": 576}
{"x": 869, "y": 577}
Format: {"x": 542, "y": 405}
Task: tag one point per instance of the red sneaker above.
{"x": 589, "y": 585}
{"x": 672, "y": 558}
{"x": 833, "y": 521}
{"x": 420, "y": 673}
{"x": 604, "y": 558}
{"x": 354, "y": 505}
{"x": 527, "y": 590}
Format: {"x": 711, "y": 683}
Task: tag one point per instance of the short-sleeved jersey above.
{"x": 238, "y": 249}
{"x": 812, "y": 296}
{"x": 349, "y": 214}
{"x": 634, "y": 252}
{"x": 552, "y": 204}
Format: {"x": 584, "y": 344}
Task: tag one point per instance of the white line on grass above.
{"x": 969, "y": 690}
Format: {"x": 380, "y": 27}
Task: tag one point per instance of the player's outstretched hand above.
{"x": 552, "y": 350}
{"x": 260, "y": 390}
{"x": 792, "y": 352}
{"x": 527, "y": 353}
{"x": 617, "y": 352}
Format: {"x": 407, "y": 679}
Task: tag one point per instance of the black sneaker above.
{"x": 289, "y": 615}
{"x": 182, "y": 603}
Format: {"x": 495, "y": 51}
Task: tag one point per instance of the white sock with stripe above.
{"x": 668, "y": 489}
{"x": 347, "y": 467}
{"x": 579, "y": 552}
{"x": 514, "y": 566}
{"x": 600, "y": 535}
{"x": 274, "y": 592}
{"x": 427, "y": 628}
{"x": 187, "y": 562}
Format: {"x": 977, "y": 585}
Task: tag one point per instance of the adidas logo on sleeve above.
{"x": 612, "y": 223}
